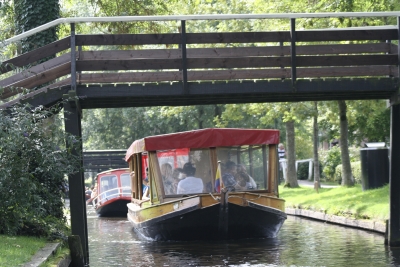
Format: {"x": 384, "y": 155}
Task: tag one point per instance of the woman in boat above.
{"x": 252, "y": 183}
{"x": 243, "y": 181}
{"x": 166, "y": 174}
{"x": 177, "y": 175}
{"x": 190, "y": 184}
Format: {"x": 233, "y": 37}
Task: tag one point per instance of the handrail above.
{"x": 102, "y": 196}
{"x": 198, "y": 17}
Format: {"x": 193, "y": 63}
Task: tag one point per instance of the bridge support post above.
{"x": 394, "y": 177}
{"x": 72, "y": 117}
{"x": 76, "y": 181}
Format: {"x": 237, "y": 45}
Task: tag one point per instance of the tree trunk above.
{"x": 315, "y": 148}
{"x": 291, "y": 155}
{"x": 347, "y": 176}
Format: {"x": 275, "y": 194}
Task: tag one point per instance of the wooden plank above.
{"x": 52, "y": 63}
{"x": 361, "y": 71}
{"x": 247, "y": 62}
{"x": 237, "y": 51}
{"x": 344, "y": 60}
{"x": 130, "y": 54}
{"x": 34, "y": 55}
{"x": 43, "y": 77}
{"x": 237, "y": 37}
{"x": 344, "y": 49}
{"x": 346, "y": 35}
{"x": 127, "y": 39}
{"x": 139, "y": 64}
{"x": 133, "y": 77}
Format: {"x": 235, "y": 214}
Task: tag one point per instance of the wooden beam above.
{"x": 204, "y": 93}
{"x": 237, "y": 37}
{"x": 247, "y": 62}
{"x": 35, "y": 70}
{"x": 163, "y": 76}
{"x": 346, "y": 35}
{"x": 241, "y": 52}
{"x": 36, "y": 80}
{"x": 34, "y": 55}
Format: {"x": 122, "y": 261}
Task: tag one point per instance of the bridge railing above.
{"x": 205, "y": 56}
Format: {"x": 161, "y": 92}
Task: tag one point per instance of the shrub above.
{"x": 302, "y": 171}
{"x": 330, "y": 161}
{"x": 355, "y": 170}
{"x": 33, "y": 160}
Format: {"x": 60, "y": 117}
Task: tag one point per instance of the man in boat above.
{"x": 190, "y": 184}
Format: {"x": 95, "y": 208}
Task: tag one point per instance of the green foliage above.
{"x": 29, "y": 15}
{"x": 355, "y": 169}
{"x": 33, "y": 161}
{"x": 330, "y": 160}
{"x": 302, "y": 170}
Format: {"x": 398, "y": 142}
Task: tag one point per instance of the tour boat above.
{"x": 113, "y": 193}
{"x": 217, "y": 183}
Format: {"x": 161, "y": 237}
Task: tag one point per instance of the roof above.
{"x": 204, "y": 138}
{"x": 113, "y": 171}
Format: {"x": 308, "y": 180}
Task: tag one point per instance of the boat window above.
{"x": 185, "y": 171}
{"x": 108, "y": 187}
{"x": 126, "y": 184}
{"x": 243, "y": 168}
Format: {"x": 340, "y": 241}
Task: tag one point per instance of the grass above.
{"x": 17, "y": 250}
{"x": 342, "y": 201}
{"x": 61, "y": 253}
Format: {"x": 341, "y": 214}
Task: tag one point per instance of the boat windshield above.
{"x": 243, "y": 168}
{"x": 108, "y": 187}
{"x": 193, "y": 171}
{"x": 126, "y": 184}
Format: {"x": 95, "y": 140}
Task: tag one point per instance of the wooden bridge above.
{"x": 195, "y": 68}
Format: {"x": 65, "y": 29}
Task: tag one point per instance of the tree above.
{"x": 315, "y": 145}
{"x": 33, "y": 162}
{"x": 347, "y": 176}
{"x": 28, "y": 16}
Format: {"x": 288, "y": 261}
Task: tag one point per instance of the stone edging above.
{"x": 379, "y": 227}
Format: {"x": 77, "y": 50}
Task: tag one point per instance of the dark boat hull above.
{"x": 113, "y": 208}
{"x": 252, "y": 221}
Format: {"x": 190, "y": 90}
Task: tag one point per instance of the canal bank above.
{"x": 369, "y": 225}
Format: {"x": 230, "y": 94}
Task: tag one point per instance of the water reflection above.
{"x": 301, "y": 242}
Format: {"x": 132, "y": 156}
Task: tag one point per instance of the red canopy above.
{"x": 212, "y": 137}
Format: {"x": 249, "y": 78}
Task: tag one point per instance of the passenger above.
{"x": 146, "y": 189}
{"x": 228, "y": 178}
{"x": 145, "y": 178}
{"x": 177, "y": 175}
{"x": 88, "y": 193}
{"x": 252, "y": 183}
{"x": 190, "y": 184}
{"x": 93, "y": 197}
{"x": 243, "y": 181}
{"x": 166, "y": 174}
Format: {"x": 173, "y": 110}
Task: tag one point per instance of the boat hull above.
{"x": 193, "y": 223}
{"x": 113, "y": 208}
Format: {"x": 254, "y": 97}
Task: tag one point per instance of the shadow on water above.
{"x": 301, "y": 242}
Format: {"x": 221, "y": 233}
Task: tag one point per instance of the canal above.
{"x": 301, "y": 242}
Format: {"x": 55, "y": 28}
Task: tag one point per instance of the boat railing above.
{"x": 124, "y": 191}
